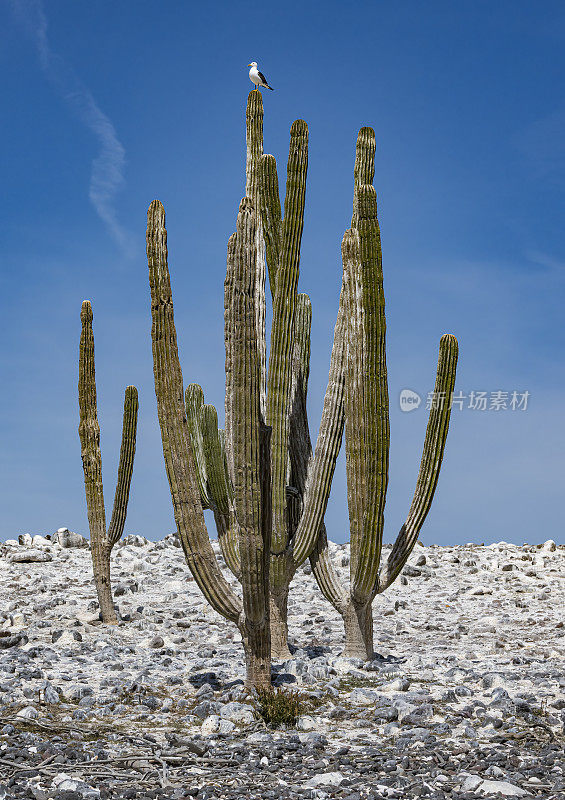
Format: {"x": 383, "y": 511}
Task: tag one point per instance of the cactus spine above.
{"x": 194, "y": 461}
{"x": 102, "y": 540}
{"x": 367, "y": 435}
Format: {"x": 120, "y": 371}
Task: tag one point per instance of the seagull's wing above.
{"x": 264, "y": 80}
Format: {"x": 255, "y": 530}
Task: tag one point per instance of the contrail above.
{"x": 107, "y": 174}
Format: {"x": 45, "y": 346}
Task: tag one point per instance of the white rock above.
{"x": 550, "y": 546}
{"x": 64, "y": 782}
{"x": 28, "y": 556}
{"x": 214, "y": 725}
{"x": 134, "y": 540}
{"x": 25, "y": 539}
{"x": 66, "y": 639}
{"x": 503, "y": 787}
{"x": 325, "y": 779}
{"x": 363, "y": 697}
{"x": 29, "y": 712}
{"x": 397, "y": 685}
{"x": 66, "y": 538}
{"x": 470, "y": 783}
{"x": 347, "y": 666}
{"x": 11, "y": 542}
{"x": 306, "y": 723}
{"x": 238, "y": 712}
{"x": 40, "y": 541}
{"x": 15, "y": 622}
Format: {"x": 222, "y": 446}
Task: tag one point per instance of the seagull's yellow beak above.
{"x": 249, "y": 65}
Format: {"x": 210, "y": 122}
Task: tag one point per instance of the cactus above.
{"x": 102, "y": 540}
{"x": 356, "y": 397}
{"x": 195, "y": 455}
{"x": 367, "y": 435}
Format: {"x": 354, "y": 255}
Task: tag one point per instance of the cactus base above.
{"x": 358, "y": 622}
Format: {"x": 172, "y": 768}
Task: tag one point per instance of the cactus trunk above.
{"x": 367, "y": 432}
{"x": 358, "y": 623}
{"x": 102, "y": 540}
{"x": 195, "y": 463}
{"x": 102, "y": 580}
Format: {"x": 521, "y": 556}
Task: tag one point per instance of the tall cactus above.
{"x": 300, "y": 481}
{"x": 367, "y": 435}
{"x": 194, "y": 452}
{"x": 102, "y": 540}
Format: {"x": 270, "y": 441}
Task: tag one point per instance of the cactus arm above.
{"x": 300, "y": 448}
{"x": 247, "y": 446}
{"x": 254, "y": 137}
{"x": 322, "y": 466}
{"x": 177, "y": 450}
{"x": 282, "y": 332}
{"x": 270, "y": 209}
{"x": 125, "y": 466}
{"x": 214, "y": 459}
{"x": 301, "y": 353}
{"x": 325, "y": 574}
{"x": 432, "y": 456}
{"x": 375, "y": 406}
{"x": 218, "y": 489}
{"x": 194, "y": 400}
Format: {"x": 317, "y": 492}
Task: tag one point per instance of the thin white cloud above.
{"x": 107, "y": 175}
{"x": 546, "y": 260}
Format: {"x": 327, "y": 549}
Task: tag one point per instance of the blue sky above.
{"x": 109, "y": 105}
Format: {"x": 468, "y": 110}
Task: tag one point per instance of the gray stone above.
{"x": 66, "y": 538}
{"x": 50, "y": 695}
{"x": 240, "y": 713}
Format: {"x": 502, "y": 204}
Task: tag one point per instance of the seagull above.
{"x": 257, "y": 77}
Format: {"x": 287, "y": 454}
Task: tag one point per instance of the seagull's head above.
{"x": 253, "y": 64}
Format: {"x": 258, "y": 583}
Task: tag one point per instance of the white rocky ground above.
{"x": 467, "y": 698}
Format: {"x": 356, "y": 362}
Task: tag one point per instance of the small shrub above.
{"x": 278, "y": 707}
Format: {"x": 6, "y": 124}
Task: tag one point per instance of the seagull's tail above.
{"x": 270, "y": 87}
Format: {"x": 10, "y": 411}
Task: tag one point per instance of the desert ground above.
{"x": 465, "y": 697}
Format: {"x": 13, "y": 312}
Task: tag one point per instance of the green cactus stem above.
{"x": 254, "y": 138}
{"x": 367, "y": 432}
{"x": 192, "y": 476}
{"x": 101, "y": 540}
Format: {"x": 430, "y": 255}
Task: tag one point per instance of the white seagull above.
{"x": 257, "y": 77}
